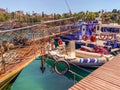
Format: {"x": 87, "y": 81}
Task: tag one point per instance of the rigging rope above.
{"x": 68, "y": 6}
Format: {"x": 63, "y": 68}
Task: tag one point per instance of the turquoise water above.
{"x": 31, "y": 77}
{"x": 80, "y": 72}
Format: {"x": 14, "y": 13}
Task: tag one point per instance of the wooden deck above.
{"x": 107, "y": 77}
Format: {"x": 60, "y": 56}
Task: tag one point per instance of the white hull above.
{"x": 86, "y": 62}
{"x": 84, "y": 54}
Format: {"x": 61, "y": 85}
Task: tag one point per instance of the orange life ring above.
{"x": 102, "y": 36}
{"x": 93, "y": 38}
{"x": 84, "y": 37}
{"x": 60, "y": 42}
{"x": 110, "y": 37}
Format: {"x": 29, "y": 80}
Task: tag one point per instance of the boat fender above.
{"x": 84, "y": 37}
{"x": 62, "y": 72}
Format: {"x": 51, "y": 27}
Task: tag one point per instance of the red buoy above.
{"x": 93, "y": 38}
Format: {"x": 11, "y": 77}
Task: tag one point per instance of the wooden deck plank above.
{"x": 112, "y": 70}
{"x": 111, "y": 73}
{"x": 88, "y": 85}
{"x": 77, "y": 87}
{"x": 90, "y": 82}
{"x": 107, "y": 77}
{"x": 94, "y": 81}
{"x": 95, "y": 84}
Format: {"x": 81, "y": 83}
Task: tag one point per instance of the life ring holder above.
{"x": 85, "y": 37}
{"x": 63, "y": 72}
{"x": 93, "y": 38}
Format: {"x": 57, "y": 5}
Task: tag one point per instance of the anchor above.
{"x": 42, "y": 64}
{"x": 42, "y": 60}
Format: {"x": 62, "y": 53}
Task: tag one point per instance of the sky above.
{"x": 59, "y": 6}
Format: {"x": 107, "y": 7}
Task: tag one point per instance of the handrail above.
{"x": 45, "y": 22}
{"x": 33, "y": 44}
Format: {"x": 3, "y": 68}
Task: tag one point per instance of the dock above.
{"x": 107, "y": 77}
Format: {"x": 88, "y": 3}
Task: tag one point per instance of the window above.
{"x": 83, "y": 29}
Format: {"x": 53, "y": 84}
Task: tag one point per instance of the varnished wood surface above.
{"x": 106, "y": 77}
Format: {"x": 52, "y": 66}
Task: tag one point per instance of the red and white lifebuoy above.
{"x": 110, "y": 37}
{"x": 117, "y": 37}
{"x": 106, "y": 37}
{"x": 93, "y": 38}
{"x": 60, "y": 42}
{"x": 85, "y": 37}
{"x": 102, "y": 36}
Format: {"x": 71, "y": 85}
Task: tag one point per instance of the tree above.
{"x": 12, "y": 15}
{"x": 114, "y": 11}
{"x": 114, "y": 17}
{"x": 58, "y": 16}
{"x": 65, "y": 15}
